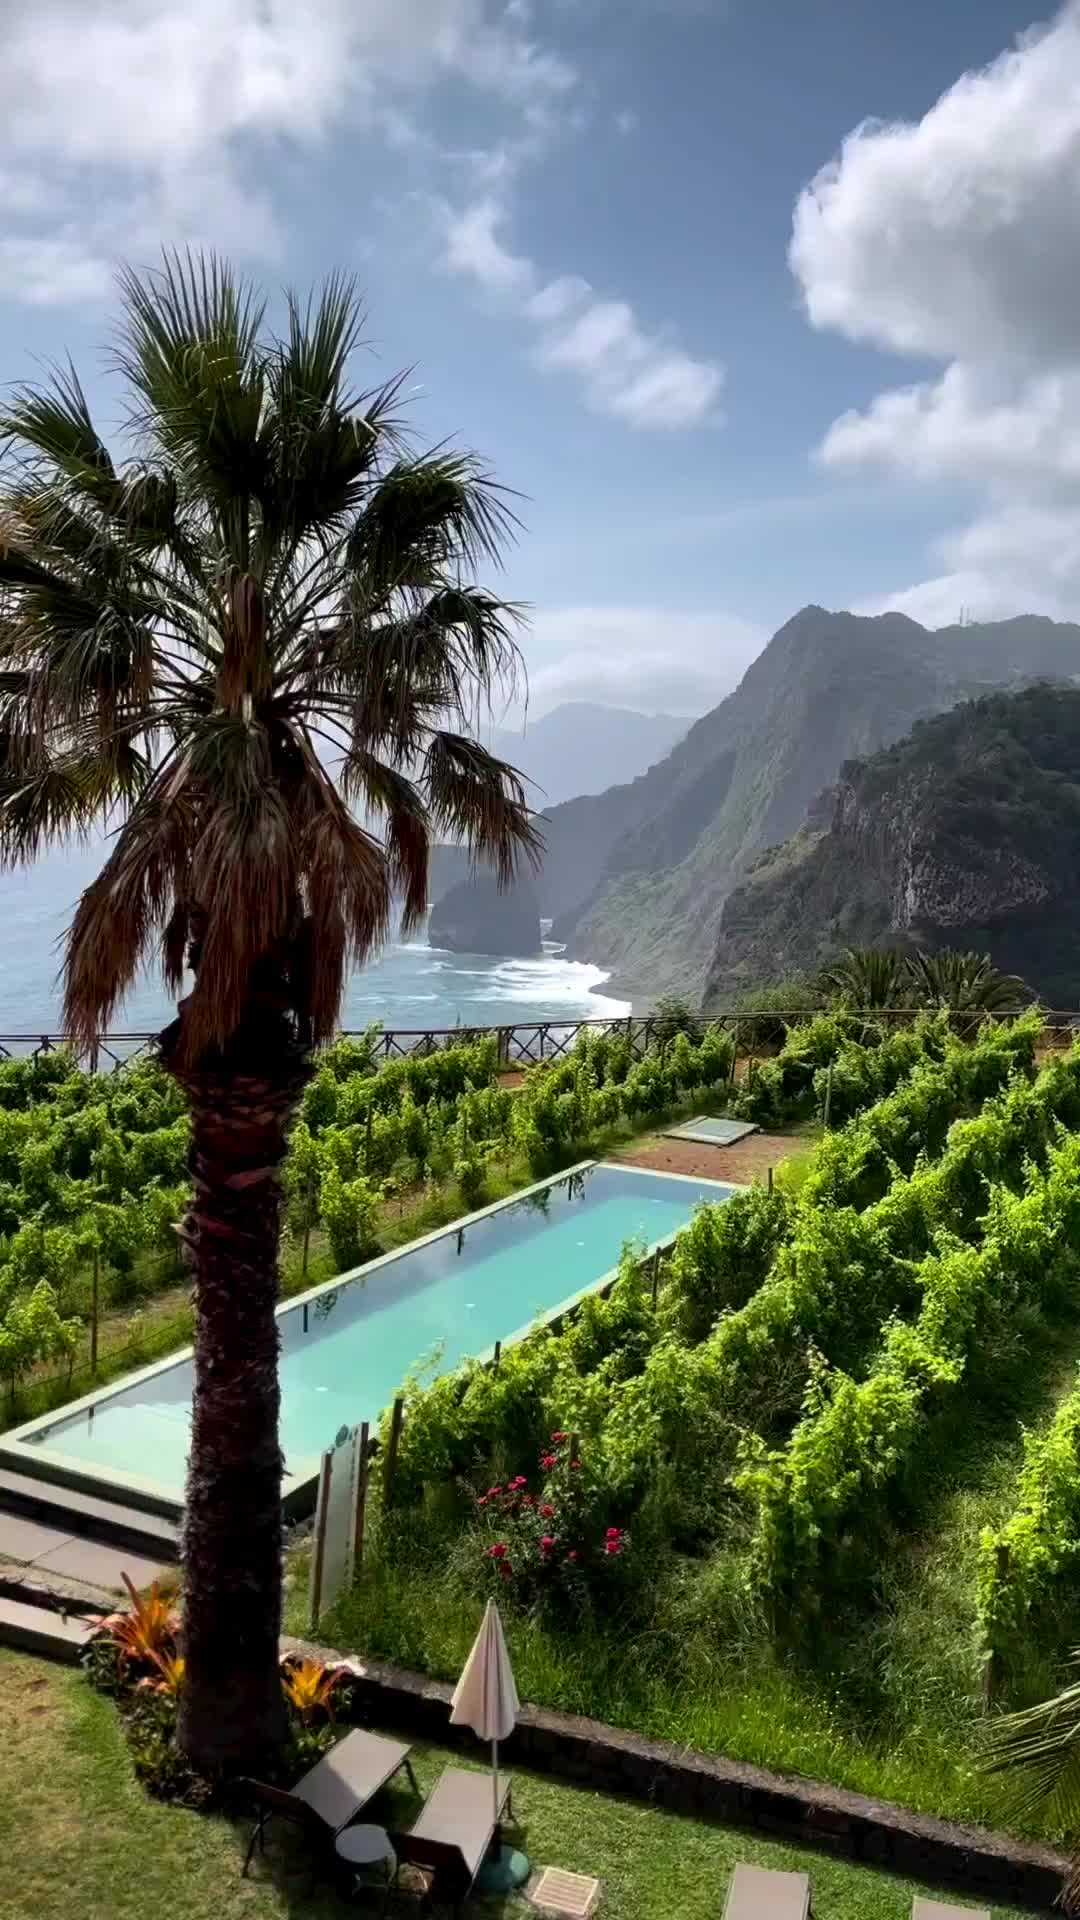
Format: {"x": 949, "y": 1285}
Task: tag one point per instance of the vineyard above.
{"x": 93, "y": 1172}
{"x": 836, "y": 1461}
{"x": 828, "y": 1473}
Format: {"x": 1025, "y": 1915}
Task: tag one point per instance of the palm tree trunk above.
{"x": 232, "y": 1715}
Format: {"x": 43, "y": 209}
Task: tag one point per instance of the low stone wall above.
{"x": 588, "y": 1753}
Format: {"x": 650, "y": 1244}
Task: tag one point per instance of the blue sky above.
{"x": 599, "y": 230}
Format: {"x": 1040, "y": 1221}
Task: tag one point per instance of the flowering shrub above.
{"x": 553, "y": 1544}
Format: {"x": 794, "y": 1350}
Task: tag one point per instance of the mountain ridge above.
{"x": 963, "y": 834}
{"x": 636, "y": 877}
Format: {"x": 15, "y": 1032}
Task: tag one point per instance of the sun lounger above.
{"x": 942, "y": 1910}
{"x": 453, "y": 1834}
{"x": 335, "y": 1790}
{"x": 760, "y": 1893}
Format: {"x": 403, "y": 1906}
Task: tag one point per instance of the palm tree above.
{"x": 965, "y": 983}
{"x": 215, "y": 649}
{"x": 865, "y": 978}
{"x": 1039, "y": 1748}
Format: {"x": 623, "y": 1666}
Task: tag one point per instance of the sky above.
{"x": 752, "y": 302}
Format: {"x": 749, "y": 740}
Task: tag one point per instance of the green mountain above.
{"x": 636, "y": 877}
{"x": 966, "y": 834}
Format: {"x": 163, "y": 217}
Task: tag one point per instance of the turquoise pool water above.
{"x": 346, "y": 1351}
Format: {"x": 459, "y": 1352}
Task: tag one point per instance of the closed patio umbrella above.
{"x": 486, "y": 1700}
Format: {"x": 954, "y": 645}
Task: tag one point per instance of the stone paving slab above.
{"x": 98, "y": 1565}
{"x": 22, "y": 1539}
{"x": 41, "y": 1631}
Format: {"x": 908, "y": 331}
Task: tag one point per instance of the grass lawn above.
{"x": 78, "y": 1836}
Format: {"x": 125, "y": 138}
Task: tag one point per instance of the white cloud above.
{"x": 642, "y": 378}
{"x": 656, "y": 659}
{"x": 956, "y": 238}
{"x": 119, "y": 117}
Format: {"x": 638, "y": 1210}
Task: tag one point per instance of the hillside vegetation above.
{"x": 826, "y": 1476}
{"x": 966, "y": 835}
{"x": 636, "y": 877}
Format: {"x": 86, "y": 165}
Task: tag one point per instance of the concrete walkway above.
{"x": 64, "y": 1561}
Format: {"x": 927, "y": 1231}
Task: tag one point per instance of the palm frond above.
{"x": 189, "y": 350}
{"x": 481, "y": 800}
{"x": 349, "y": 899}
{"x": 52, "y": 425}
{"x": 1039, "y": 1749}
{"x": 52, "y": 801}
{"x": 145, "y": 873}
{"x": 866, "y": 978}
{"x": 965, "y": 982}
{"x": 406, "y": 824}
{"x": 425, "y": 516}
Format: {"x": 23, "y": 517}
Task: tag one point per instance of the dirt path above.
{"x": 748, "y": 1160}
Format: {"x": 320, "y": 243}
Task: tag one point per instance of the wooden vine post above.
{"x": 319, "y": 1549}
{"x": 991, "y": 1679}
{"x": 94, "y": 1287}
{"x": 361, "y": 1498}
{"x": 392, "y": 1448}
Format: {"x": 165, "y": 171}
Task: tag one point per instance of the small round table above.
{"x": 367, "y": 1847}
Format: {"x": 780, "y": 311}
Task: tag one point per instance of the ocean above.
{"x": 410, "y": 984}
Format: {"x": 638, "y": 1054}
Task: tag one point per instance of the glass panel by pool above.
{"x": 346, "y": 1351}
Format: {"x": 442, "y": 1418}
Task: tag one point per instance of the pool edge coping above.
{"x": 67, "y": 1471}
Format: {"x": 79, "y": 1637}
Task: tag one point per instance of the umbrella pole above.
{"x": 495, "y": 1776}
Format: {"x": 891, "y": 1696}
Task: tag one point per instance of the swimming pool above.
{"x": 346, "y": 1347}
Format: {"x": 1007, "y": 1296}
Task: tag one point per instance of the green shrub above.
{"x": 349, "y": 1210}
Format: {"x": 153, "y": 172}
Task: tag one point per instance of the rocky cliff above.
{"x": 636, "y": 878}
{"x": 965, "y": 834}
{"x": 475, "y": 917}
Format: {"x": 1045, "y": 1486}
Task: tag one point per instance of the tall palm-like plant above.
{"x": 965, "y": 983}
{"x": 866, "y": 978}
{"x": 263, "y": 618}
{"x": 1039, "y": 1750}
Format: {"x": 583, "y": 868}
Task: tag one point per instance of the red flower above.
{"x": 547, "y": 1543}
{"x": 483, "y": 1500}
{"x": 573, "y": 1554}
{"x": 611, "y": 1546}
{"x": 547, "y": 1460}
{"x": 613, "y": 1533}
{"x": 575, "y": 1464}
{"x": 492, "y": 1492}
{"x": 519, "y": 1482}
{"x": 498, "y": 1551}
{"x": 558, "y": 1437}
{"x": 548, "y": 1513}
